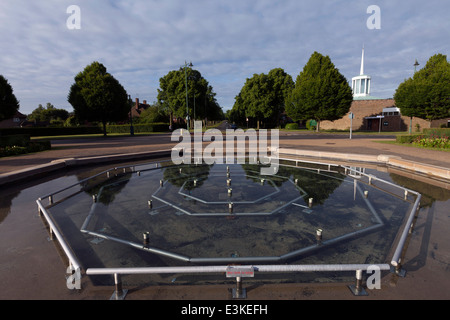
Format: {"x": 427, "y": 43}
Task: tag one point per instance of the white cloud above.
{"x": 140, "y": 41}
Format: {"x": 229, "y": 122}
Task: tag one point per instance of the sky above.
{"x": 43, "y": 45}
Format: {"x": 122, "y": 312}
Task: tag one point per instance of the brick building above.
{"x": 368, "y": 113}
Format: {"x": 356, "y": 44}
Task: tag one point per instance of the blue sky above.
{"x": 139, "y": 41}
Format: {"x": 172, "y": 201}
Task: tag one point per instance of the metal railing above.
{"x": 116, "y": 272}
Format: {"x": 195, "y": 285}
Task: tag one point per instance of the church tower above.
{"x": 361, "y": 83}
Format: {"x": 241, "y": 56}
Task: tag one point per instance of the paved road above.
{"x": 359, "y": 144}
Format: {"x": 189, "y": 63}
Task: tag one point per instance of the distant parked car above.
{"x": 233, "y": 126}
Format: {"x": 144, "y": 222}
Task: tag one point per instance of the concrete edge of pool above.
{"x": 431, "y": 171}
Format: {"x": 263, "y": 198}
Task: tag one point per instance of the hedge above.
{"x": 20, "y": 140}
{"x": 437, "y": 131}
{"x": 407, "y": 138}
{"x": 33, "y": 146}
{"x": 67, "y": 131}
{"x": 50, "y": 131}
{"x": 138, "y": 128}
{"x": 291, "y": 126}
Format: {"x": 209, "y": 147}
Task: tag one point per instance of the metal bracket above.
{"x": 239, "y": 272}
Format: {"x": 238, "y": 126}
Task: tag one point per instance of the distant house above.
{"x": 138, "y": 108}
{"x": 15, "y": 122}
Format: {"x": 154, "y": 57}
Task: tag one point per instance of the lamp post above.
{"x": 187, "y": 103}
{"x": 131, "y": 116}
{"x": 416, "y": 64}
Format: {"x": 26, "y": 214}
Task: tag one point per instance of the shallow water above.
{"x": 271, "y": 220}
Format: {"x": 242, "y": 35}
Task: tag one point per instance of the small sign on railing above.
{"x": 239, "y": 271}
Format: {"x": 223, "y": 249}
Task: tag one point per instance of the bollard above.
{"x": 358, "y": 289}
{"x": 94, "y": 198}
{"x": 119, "y": 293}
{"x": 161, "y": 183}
{"x": 228, "y": 182}
{"x": 366, "y": 194}
{"x": 230, "y": 207}
{"x": 229, "y": 192}
{"x": 146, "y": 236}
{"x": 150, "y": 204}
{"x": 310, "y": 202}
{"x": 239, "y": 292}
{"x": 319, "y": 236}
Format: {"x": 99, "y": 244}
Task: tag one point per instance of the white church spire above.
{"x": 361, "y": 83}
{"x": 362, "y": 63}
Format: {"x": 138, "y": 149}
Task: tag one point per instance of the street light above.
{"x": 187, "y": 103}
{"x": 416, "y": 64}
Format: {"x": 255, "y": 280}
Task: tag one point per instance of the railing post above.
{"x": 358, "y": 289}
{"x": 119, "y": 293}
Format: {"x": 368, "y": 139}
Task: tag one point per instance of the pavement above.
{"x": 428, "y": 254}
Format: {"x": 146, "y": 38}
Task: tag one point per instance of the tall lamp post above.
{"x": 187, "y": 103}
{"x": 131, "y": 116}
{"x": 416, "y": 64}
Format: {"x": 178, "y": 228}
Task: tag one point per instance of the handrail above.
{"x": 53, "y": 228}
{"x": 221, "y": 269}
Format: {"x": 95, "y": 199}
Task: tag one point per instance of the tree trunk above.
{"x": 104, "y": 128}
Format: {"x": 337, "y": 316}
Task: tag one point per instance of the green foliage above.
{"x": 51, "y": 131}
{"x": 427, "y": 94}
{"x": 14, "y": 140}
{"x": 201, "y": 97}
{"x": 50, "y": 113}
{"x": 431, "y": 138}
{"x": 139, "y": 128}
{"x": 263, "y": 97}
{"x": 151, "y": 115}
{"x": 406, "y": 138}
{"x": 9, "y": 105}
{"x": 97, "y": 96}
{"x": 292, "y": 126}
{"x": 321, "y": 92}
{"x": 31, "y": 146}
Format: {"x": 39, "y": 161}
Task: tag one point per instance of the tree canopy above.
{"x": 263, "y": 97}
{"x": 9, "y": 104}
{"x": 321, "y": 92}
{"x": 201, "y": 97}
{"x": 97, "y": 96}
{"x": 48, "y": 113}
{"x": 427, "y": 94}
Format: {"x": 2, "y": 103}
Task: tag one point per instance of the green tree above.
{"x": 321, "y": 92}
{"x": 282, "y": 85}
{"x": 427, "y": 94}
{"x": 263, "y": 97}
{"x": 152, "y": 114}
{"x": 9, "y": 104}
{"x": 201, "y": 97}
{"x": 97, "y": 96}
{"x": 50, "y": 113}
